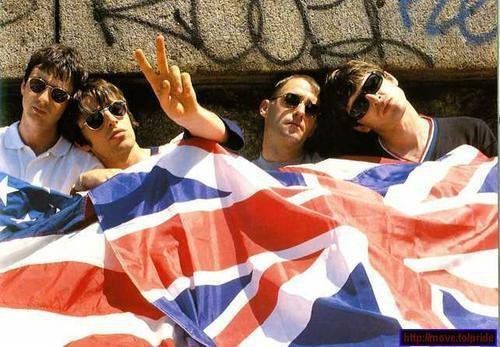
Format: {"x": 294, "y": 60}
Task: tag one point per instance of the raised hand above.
{"x": 173, "y": 89}
{"x": 177, "y": 97}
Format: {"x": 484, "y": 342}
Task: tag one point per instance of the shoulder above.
{"x": 84, "y": 159}
{"x": 461, "y": 122}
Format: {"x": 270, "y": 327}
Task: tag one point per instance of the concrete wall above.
{"x": 235, "y": 37}
{"x": 443, "y": 50}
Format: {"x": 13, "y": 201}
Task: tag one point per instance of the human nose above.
{"x": 300, "y": 109}
{"x": 44, "y": 96}
{"x": 110, "y": 118}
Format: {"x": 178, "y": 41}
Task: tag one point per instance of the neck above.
{"x": 280, "y": 152}
{"x": 38, "y": 138}
{"x": 407, "y": 139}
{"x": 127, "y": 159}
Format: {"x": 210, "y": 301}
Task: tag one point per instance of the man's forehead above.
{"x": 299, "y": 85}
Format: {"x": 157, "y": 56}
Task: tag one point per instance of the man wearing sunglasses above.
{"x": 289, "y": 120}
{"x": 32, "y": 148}
{"x": 102, "y": 124}
{"x": 364, "y": 97}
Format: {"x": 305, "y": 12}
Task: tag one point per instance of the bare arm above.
{"x": 177, "y": 97}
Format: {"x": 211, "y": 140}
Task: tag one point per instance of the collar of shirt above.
{"x": 13, "y": 141}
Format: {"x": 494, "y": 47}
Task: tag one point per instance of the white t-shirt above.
{"x": 58, "y": 168}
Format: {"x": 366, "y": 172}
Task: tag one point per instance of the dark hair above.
{"x": 97, "y": 89}
{"x": 335, "y": 134}
{"x": 341, "y": 84}
{"x": 61, "y": 61}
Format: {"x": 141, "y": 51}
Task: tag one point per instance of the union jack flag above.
{"x": 335, "y": 253}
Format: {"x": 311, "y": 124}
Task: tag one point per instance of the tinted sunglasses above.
{"x": 292, "y": 100}
{"x": 95, "y": 120}
{"x": 38, "y": 85}
{"x": 371, "y": 86}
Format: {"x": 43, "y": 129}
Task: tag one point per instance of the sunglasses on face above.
{"x": 371, "y": 86}
{"x": 38, "y": 85}
{"x": 292, "y": 100}
{"x": 95, "y": 120}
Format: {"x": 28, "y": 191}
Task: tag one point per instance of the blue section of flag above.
{"x": 288, "y": 179}
{"x": 171, "y": 308}
{"x": 490, "y": 183}
{"x": 355, "y": 302}
{"x": 462, "y": 318}
{"x": 211, "y": 301}
{"x": 381, "y": 178}
{"x": 33, "y": 211}
{"x": 139, "y": 194}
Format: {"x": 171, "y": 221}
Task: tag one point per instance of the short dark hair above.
{"x": 340, "y": 85}
{"x": 97, "y": 89}
{"x": 61, "y": 61}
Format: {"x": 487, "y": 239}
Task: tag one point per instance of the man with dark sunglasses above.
{"x": 102, "y": 124}
{"x": 32, "y": 148}
{"x": 364, "y": 97}
{"x": 289, "y": 121}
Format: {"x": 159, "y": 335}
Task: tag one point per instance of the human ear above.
{"x": 23, "y": 87}
{"x": 263, "y": 107}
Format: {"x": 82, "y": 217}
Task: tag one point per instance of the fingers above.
{"x": 175, "y": 80}
{"x": 144, "y": 65}
{"x": 161, "y": 55}
{"x": 187, "y": 87}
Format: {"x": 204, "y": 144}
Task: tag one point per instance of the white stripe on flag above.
{"x": 464, "y": 266}
{"x": 22, "y": 327}
{"x": 86, "y": 246}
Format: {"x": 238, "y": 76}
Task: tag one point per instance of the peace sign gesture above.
{"x": 173, "y": 89}
{"x": 177, "y": 97}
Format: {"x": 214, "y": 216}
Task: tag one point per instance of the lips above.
{"x": 298, "y": 125}
{"x": 117, "y": 134}
{"x": 39, "y": 110}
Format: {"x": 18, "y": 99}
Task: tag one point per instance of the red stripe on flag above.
{"x": 412, "y": 293}
{"x": 474, "y": 292}
{"x": 258, "y": 308}
{"x": 216, "y": 240}
{"x": 113, "y": 340}
{"x": 73, "y": 288}
{"x": 457, "y": 178}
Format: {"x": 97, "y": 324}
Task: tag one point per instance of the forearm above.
{"x": 204, "y": 124}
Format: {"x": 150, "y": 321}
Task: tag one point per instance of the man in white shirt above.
{"x": 32, "y": 149}
{"x": 289, "y": 120}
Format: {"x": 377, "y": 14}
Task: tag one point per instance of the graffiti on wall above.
{"x": 188, "y": 30}
{"x": 462, "y": 19}
{"x": 186, "y": 26}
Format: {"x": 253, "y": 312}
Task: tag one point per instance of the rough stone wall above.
{"x": 241, "y": 37}
{"x": 445, "y": 50}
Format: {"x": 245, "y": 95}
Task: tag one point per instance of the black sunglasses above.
{"x": 292, "y": 100}
{"x": 38, "y": 85}
{"x": 95, "y": 120}
{"x": 371, "y": 86}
